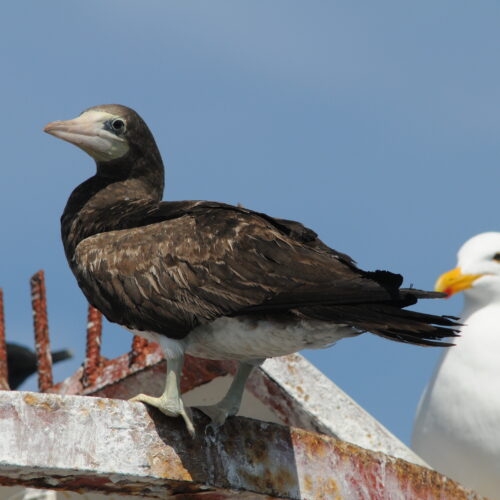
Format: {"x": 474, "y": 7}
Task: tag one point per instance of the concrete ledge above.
{"x": 293, "y": 389}
{"x": 314, "y": 402}
{"x": 81, "y": 443}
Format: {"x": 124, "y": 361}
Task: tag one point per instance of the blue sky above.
{"x": 374, "y": 123}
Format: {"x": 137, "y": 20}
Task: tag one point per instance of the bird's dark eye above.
{"x": 118, "y": 125}
{"x": 497, "y": 257}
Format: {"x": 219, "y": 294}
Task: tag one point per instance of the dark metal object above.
{"x": 41, "y": 325}
{"x": 93, "y": 361}
{"x": 4, "y": 383}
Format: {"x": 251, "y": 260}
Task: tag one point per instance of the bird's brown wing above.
{"x": 293, "y": 229}
{"x": 203, "y": 262}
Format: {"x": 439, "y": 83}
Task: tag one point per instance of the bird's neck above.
{"x": 483, "y": 296}
{"x": 109, "y": 201}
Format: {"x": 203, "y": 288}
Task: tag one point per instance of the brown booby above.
{"x": 213, "y": 280}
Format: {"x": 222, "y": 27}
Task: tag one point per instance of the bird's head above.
{"x": 478, "y": 269}
{"x": 108, "y": 132}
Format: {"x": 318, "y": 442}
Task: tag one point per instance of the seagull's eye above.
{"x": 497, "y": 257}
{"x": 118, "y": 125}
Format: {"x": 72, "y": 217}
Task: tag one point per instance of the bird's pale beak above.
{"x": 82, "y": 132}
{"x": 88, "y": 133}
{"x": 454, "y": 281}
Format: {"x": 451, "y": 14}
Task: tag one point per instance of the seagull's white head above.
{"x": 477, "y": 272}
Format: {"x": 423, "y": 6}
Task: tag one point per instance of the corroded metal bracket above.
{"x": 102, "y": 445}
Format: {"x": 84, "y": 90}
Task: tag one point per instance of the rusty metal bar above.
{"x": 41, "y": 325}
{"x": 137, "y": 354}
{"x": 4, "y": 380}
{"x": 93, "y": 361}
{"x": 124, "y": 448}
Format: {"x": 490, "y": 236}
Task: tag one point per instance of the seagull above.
{"x": 209, "y": 279}
{"x": 457, "y": 425}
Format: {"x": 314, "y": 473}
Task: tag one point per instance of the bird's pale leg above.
{"x": 170, "y": 402}
{"x": 230, "y": 403}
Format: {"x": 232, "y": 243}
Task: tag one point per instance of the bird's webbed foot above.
{"x": 170, "y": 402}
{"x": 231, "y": 402}
{"x": 172, "y": 407}
{"x": 218, "y": 412}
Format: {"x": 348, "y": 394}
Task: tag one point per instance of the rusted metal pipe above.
{"x": 41, "y": 326}
{"x": 4, "y": 380}
{"x": 93, "y": 362}
{"x": 137, "y": 354}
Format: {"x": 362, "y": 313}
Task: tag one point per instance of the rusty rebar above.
{"x": 93, "y": 361}
{"x": 41, "y": 326}
{"x": 137, "y": 355}
{"x": 4, "y": 369}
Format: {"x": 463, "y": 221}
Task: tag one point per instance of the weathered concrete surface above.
{"x": 291, "y": 387}
{"x": 310, "y": 400}
{"x": 22, "y": 493}
{"x": 93, "y": 444}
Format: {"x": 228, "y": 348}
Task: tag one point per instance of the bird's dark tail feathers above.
{"x": 392, "y": 322}
{"x": 372, "y": 303}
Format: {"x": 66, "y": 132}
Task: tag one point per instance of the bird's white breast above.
{"x": 457, "y": 429}
{"x": 244, "y": 339}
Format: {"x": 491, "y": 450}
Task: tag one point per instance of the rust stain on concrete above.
{"x": 33, "y": 400}
{"x": 167, "y": 465}
{"x": 101, "y": 404}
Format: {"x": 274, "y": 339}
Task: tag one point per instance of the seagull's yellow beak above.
{"x": 454, "y": 281}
